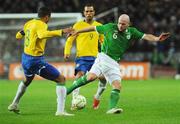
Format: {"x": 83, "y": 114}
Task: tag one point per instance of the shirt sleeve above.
{"x": 100, "y": 29}
{"x": 20, "y": 34}
{"x": 137, "y": 34}
{"x": 47, "y": 34}
{"x": 70, "y": 40}
{"x": 68, "y": 45}
{"x": 42, "y": 32}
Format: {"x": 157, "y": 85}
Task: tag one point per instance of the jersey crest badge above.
{"x": 128, "y": 36}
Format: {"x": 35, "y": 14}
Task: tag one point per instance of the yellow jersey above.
{"x": 86, "y": 43}
{"x": 35, "y": 35}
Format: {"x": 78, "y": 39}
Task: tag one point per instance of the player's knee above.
{"x": 102, "y": 85}
{"x": 28, "y": 81}
{"x": 79, "y": 74}
{"x": 61, "y": 79}
{"x": 116, "y": 85}
{"x": 91, "y": 77}
{"x": 102, "y": 80}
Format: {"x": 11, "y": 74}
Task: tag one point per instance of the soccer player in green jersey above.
{"x": 118, "y": 38}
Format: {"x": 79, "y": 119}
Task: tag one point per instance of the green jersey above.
{"x": 116, "y": 42}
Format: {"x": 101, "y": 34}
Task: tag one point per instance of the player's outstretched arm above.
{"x": 92, "y": 28}
{"x": 48, "y": 34}
{"x": 68, "y": 46}
{"x": 162, "y": 37}
{"x": 67, "y": 30}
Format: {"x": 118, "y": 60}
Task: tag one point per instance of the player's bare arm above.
{"x": 92, "y": 28}
{"x": 67, "y": 30}
{"x": 68, "y": 45}
{"x": 161, "y": 37}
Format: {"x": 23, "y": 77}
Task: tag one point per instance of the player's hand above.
{"x": 164, "y": 36}
{"x": 66, "y": 57}
{"x": 68, "y": 30}
{"x": 74, "y": 33}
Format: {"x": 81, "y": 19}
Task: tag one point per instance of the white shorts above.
{"x": 104, "y": 65}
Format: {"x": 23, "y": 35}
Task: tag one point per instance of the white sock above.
{"x": 21, "y": 90}
{"x": 101, "y": 88}
{"x": 75, "y": 92}
{"x": 61, "y": 98}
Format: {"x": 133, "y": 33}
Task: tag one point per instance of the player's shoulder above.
{"x": 29, "y": 21}
{"x": 96, "y": 23}
{"x": 78, "y": 23}
{"x": 111, "y": 25}
{"x": 35, "y": 23}
{"x": 132, "y": 29}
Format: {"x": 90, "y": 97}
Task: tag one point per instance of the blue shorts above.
{"x": 84, "y": 63}
{"x": 37, "y": 65}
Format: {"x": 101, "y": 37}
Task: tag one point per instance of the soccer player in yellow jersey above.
{"x": 35, "y": 33}
{"x": 87, "y": 50}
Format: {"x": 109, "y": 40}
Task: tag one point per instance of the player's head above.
{"x": 44, "y": 13}
{"x": 89, "y": 12}
{"x": 123, "y": 22}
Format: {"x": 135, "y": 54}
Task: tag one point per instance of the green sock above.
{"x": 77, "y": 83}
{"x": 114, "y": 98}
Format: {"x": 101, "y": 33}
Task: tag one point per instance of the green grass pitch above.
{"x": 155, "y": 101}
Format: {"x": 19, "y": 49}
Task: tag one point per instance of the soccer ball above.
{"x": 79, "y": 102}
{"x": 177, "y": 76}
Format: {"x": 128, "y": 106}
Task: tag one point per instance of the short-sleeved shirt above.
{"x": 116, "y": 42}
{"x": 86, "y": 43}
{"x": 36, "y": 34}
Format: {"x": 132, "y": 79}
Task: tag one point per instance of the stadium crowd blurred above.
{"x": 150, "y": 16}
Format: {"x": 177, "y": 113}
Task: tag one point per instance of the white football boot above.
{"x": 114, "y": 111}
{"x": 63, "y": 114}
{"x": 14, "y": 108}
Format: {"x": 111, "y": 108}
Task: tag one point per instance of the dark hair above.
{"x": 44, "y": 11}
{"x": 89, "y": 4}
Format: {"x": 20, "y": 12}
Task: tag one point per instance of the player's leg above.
{"x": 61, "y": 96}
{"x": 83, "y": 65}
{"x": 89, "y": 77}
{"x": 75, "y": 92}
{"x": 101, "y": 87}
{"x": 114, "y": 98}
{"x": 114, "y": 78}
{"x": 51, "y": 73}
{"x": 20, "y": 92}
{"x": 26, "y": 64}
